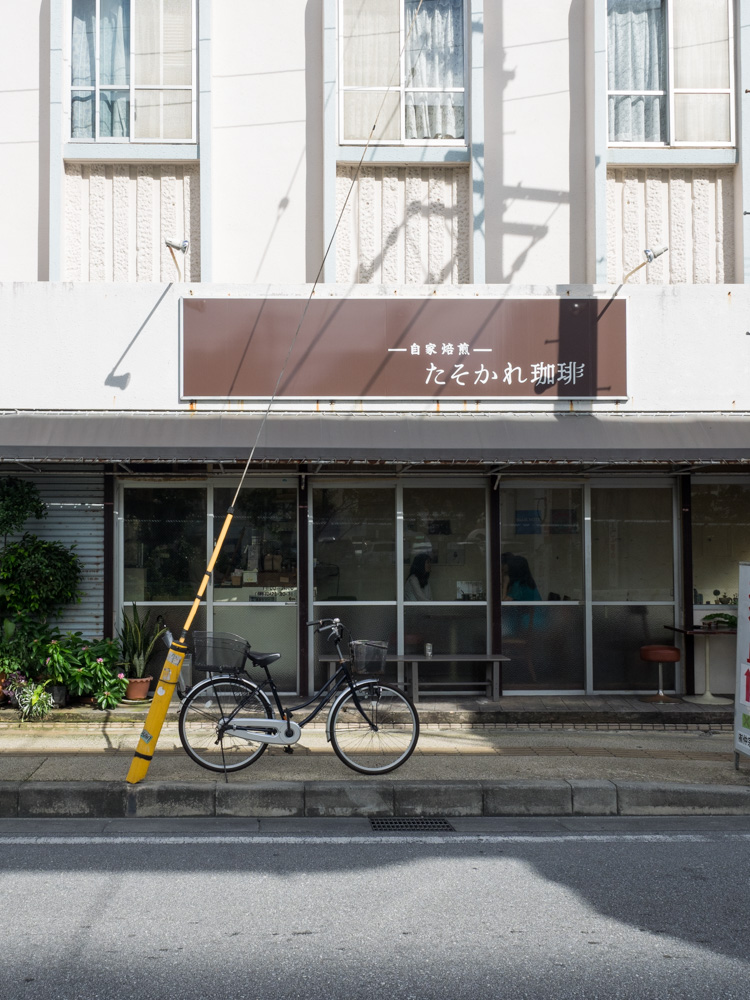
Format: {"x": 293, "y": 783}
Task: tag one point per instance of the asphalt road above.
{"x": 250, "y": 910}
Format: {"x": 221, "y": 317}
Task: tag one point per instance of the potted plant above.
{"x": 60, "y": 664}
{"x": 720, "y": 619}
{"x": 137, "y": 640}
{"x": 32, "y": 698}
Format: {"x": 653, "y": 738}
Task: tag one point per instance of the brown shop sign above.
{"x": 404, "y": 348}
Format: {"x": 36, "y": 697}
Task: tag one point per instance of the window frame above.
{"x": 132, "y": 87}
{"x": 402, "y": 89}
{"x": 671, "y": 91}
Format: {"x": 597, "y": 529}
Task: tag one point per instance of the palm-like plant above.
{"x": 137, "y": 640}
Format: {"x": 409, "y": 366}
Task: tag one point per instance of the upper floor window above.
{"x": 405, "y": 59}
{"x": 133, "y": 70}
{"x": 670, "y": 72}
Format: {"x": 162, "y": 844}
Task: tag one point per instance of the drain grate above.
{"x": 397, "y": 824}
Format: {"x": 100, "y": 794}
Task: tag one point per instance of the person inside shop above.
{"x": 518, "y": 583}
{"x": 417, "y": 586}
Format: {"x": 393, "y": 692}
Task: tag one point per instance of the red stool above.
{"x": 661, "y": 655}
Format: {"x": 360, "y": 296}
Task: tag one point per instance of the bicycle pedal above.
{"x": 288, "y": 749}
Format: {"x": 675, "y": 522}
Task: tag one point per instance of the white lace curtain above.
{"x": 114, "y": 68}
{"x": 636, "y": 60}
{"x": 434, "y": 58}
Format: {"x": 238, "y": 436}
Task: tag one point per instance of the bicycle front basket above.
{"x": 368, "y": 656}
{"x": 221, "y": 652}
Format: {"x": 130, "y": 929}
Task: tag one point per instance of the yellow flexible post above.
{"x": 170, "y": 673}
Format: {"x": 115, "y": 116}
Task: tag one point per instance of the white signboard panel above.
{"x": 742, "y": 691}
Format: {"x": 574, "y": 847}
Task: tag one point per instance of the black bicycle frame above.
{"x": 331, "y": 687}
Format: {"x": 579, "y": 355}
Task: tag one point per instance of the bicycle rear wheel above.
{"x": 206, "y": 708}
{"x": 381, "y": 739}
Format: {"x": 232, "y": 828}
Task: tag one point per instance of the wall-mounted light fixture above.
{"x": 650, "y": 256}
{"x": 182, "y": 247}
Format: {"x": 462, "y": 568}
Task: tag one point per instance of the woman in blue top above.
{"x": 518, "y": 583}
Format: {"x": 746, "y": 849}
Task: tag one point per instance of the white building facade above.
{"x": 349, "y": 177}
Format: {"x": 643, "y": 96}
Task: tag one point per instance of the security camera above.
{"x": 178, "y": 246}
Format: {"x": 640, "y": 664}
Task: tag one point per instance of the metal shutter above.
{"x": 75, "y": 515}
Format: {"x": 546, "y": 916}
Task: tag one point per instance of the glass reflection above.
{"x": 354, "y": 544}
{"x": 258, "y": 560}
{"x": 631, "y": 544}
{"x": 542, "y": 543}
{"x": 445, "y": 545}
{"x": 721, "y": 540}
{"x": 164, "y": 543}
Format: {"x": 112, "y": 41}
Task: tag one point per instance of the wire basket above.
{"x": 368, "y": 656}
{"x": 222, "y": 652}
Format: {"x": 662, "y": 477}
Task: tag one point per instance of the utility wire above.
{"x": 170, "y": 672}
{"x": 355, "y": 178}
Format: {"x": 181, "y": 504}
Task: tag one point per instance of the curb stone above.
{"x": 651, "y": 799}
{"x": 109, "y": 799}
{"x": 438, "y": 798}
{"x": 593, "y": 798}
{"x": 527, "y": 798}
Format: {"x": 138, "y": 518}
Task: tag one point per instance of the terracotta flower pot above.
{"x": 137, "y": 688}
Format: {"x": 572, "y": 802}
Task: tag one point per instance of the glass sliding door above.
{"x": 354, "y": 563}
{"x": 163, "y": 555}
{"x": 255, "y": 578}
{"x": 632, "y": 574}
{"x": 542, "y": 596}
{"x": 168, "y": 536}
{"x": 445, "y": 577}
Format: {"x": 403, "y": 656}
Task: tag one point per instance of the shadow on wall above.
{"x": 507, "y": 202}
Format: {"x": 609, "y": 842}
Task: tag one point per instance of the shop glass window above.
{"x": 132, "y": 70}
{"x": 670, "y": 72}
{"x": 721, "y": 540}
{"x": 354, "y": 544}
{"x": 407, "y": 57}
{"x": 541, "y": 533}
{"x": 164, "y": 543}
{"x": 445, "y": 530}
{"x": 632, "y": 544}
{"x": 258, "y": 561}
{"x": 543, "y": 527}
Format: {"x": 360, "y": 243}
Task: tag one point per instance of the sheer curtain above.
{"x": 114, "y": 68}
{"x": 371, "y": 50}
{"x": 83, "y": 68}
{"x": 701, "y": 61}
{"x": 637, "y": 60}
{"x": 434, "y": 58}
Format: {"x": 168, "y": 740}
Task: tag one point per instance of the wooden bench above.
{"x": 492, "y": 661}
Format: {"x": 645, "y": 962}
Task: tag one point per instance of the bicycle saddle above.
{"x": 263, "y": 659}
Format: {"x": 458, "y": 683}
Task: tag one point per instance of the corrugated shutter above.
{"x": 76, "y": 516}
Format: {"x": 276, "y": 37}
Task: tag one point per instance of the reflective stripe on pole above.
{"x": 157, "y": 713}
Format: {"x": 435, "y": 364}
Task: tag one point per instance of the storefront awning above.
{"x": 500, "y": 438}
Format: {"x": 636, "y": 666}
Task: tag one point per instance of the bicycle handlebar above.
{"x": 334, "y": 625}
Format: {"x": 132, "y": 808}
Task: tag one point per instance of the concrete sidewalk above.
{"x": 78, "y": 768}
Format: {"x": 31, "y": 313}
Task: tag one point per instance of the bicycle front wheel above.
{"x": 382, "y": 735}
{"x": 205, "y": 712}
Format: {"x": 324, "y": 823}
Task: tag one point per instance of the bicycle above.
{"x": 227, "y": 721}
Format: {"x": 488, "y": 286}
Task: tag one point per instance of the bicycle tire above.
{"x": 368, "y": 750}
{"x": 203, "y": 710}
